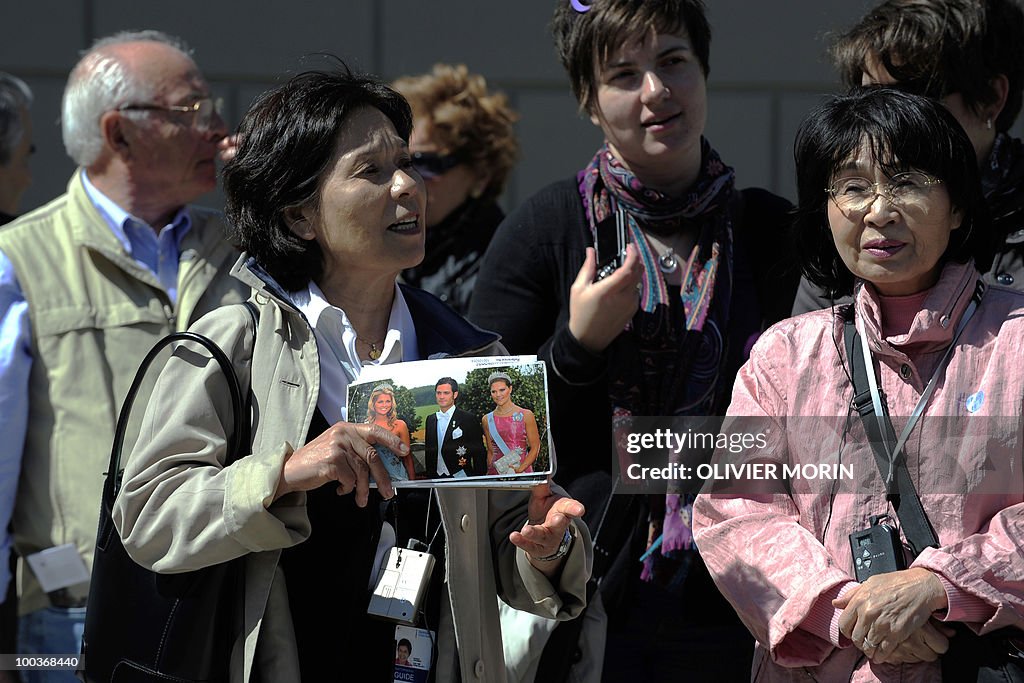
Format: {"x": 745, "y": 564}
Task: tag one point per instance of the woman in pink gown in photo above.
{"x": 513, "y": 440}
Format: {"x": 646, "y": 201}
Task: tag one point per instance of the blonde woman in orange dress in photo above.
{"x": 381, "y": 411}
{"x": 513, "y": 440}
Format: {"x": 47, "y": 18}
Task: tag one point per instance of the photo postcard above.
{"x": 468, "y": 422}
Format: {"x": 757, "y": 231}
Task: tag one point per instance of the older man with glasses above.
{"x": 87, "y": 284}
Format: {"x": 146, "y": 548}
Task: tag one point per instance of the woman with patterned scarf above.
{"x": 969, "y": 56}
{"x": 705, "y": 271}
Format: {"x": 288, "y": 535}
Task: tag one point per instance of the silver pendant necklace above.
{"x": 668, "y": 262}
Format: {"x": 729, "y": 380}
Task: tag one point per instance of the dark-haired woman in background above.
{"x": 464, "y": 145}
{"x": 970, "y": 57}
{"x": 327, "y": 204}
{"x": 889, "y": 201}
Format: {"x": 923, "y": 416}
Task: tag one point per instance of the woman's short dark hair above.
{"x": 940, "y": 47}
{"x": 286, "y": 142}
{"x": 586, "y": 39}
{"x": 903, "y": 131}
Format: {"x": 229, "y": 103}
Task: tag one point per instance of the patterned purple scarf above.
{"x": 669, "y": 361}
{"x": 606, "y": 184}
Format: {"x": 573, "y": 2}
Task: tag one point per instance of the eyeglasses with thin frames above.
{"x": 202, "y": 111}
{"x": 906, "y": 189}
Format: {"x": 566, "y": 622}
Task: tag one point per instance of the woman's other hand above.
{"x": 598, "y": 311}
{"x": 926, "y": 644}
{"x": 881, "y": 613}
{"x": 549, "y": 515}
{"x": 345, "y": 454}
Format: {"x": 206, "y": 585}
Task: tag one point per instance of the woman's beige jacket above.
{"x": 180, "y": 509}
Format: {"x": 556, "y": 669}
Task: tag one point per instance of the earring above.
{"x": 988, "y": 123}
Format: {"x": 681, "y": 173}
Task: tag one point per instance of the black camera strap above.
{"x": 610, "y": 240}
{"x": 892, "y": 463}
{"x": 901, "y": 493}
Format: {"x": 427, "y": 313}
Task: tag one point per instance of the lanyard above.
{"x": 876, "y": 397}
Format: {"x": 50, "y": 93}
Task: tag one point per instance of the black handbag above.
{"x": 996, "y": 657}
{"x": 141, "y": 626}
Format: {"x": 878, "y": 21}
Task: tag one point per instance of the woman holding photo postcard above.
{"x": 513, "y": 440}
{"x": 381, "y": 410}
{"x": 325, "y": 201}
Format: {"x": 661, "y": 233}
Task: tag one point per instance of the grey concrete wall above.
{"x": 768, "y": 66}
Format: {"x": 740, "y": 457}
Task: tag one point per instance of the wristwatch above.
{"x": 562, "y": 550}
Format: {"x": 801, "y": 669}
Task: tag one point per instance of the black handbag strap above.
{"x": 239, "y": 403}
{"x": 902, "y": 494}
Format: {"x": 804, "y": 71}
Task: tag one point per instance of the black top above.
{"x": 523, "y": 294}
{"x": 328, "y": 577}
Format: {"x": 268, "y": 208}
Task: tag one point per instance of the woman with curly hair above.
{"x": 464, "y": 145}
{"x": 381, "y": 411}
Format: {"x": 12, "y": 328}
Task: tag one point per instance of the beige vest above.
{"x": 94, "y": 315}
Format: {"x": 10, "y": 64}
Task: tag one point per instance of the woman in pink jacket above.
{"x": 890, "y": 208}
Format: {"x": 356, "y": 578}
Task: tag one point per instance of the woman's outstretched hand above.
{"x": 598, "y": 311}
{"x": 345, "y": 454}
{"x": 549, "y": 515}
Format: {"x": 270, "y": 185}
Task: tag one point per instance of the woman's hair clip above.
{"x": 499, "y": 375}
{"x": 579, "y": 6}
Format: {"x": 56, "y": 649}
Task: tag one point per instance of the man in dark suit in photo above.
{"x": 459, "y": 434}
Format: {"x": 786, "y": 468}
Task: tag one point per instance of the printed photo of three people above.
{"x": 466, "y": 421}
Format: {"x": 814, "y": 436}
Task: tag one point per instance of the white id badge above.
{"x": 401, "y": 586}
{"x": 58, "y": 567}
{"x": 414, "y": 649}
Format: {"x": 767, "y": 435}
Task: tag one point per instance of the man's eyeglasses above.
{"x": 432, "y": 164}
{"x": 903, "y": 190}
{"x": 202, "y": 111}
